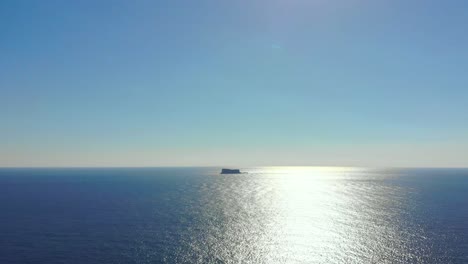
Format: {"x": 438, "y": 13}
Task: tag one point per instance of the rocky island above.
{"x": 230, "y": 171}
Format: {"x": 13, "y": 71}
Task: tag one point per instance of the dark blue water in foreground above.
{"x": 271, "y": 215}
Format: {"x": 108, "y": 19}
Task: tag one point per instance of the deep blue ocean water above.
{"x": 270, "y": 215}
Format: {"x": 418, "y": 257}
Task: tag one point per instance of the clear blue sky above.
{"x": 244, "y": 82}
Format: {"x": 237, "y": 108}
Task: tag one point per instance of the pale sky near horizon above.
{"x": 238, "y": 83}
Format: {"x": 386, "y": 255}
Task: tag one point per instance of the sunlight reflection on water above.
{"x": 294, "y": 214}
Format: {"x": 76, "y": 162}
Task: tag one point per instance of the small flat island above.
{"x": 230, "y": 171}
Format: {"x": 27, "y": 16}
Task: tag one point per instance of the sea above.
{"x": 266, "y": 215}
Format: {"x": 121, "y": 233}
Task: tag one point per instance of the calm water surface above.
{"x": 270, "y": 215}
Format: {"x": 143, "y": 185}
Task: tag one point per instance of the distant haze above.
{"x": 234, "y": 83}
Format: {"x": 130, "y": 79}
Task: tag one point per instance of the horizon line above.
{"x": 216, "y": 166}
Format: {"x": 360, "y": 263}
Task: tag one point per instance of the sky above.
{"x": 238, "y": 83}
